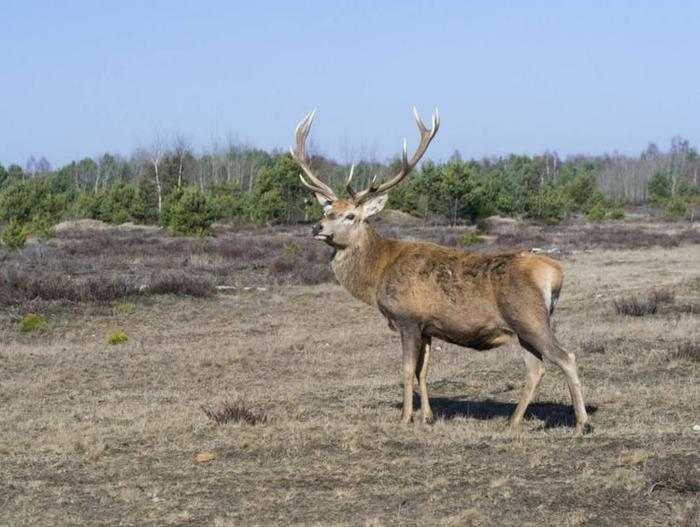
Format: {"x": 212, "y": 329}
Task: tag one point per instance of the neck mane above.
{"x": 359, "y": 267}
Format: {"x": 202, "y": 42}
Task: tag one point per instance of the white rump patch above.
{"x": 547, "y": 288}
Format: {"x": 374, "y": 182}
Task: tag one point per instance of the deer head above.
{"x": 343, "y": 221}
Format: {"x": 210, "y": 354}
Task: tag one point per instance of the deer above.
{"x": 472, "y": 299}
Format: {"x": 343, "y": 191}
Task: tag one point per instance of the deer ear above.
{"x": 326, "y": 204}
{"x": 374, "y": 205}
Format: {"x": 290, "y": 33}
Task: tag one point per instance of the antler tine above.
{"x": 373, "y": 183}
{"x": 301, "y": 133}
{"x": 348, "y": 182}
{"x": 310, "y": 186}
{"x": 421, "y": 125}
{"x": 406, "y": 165}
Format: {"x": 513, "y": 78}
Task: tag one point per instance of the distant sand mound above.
{"x": 396, "y": 217}
{"x": 81, "y": 225}
{"x": 130, "y": 226}
{"x": 503, "y": 225}
{"x": 97, "y": 225}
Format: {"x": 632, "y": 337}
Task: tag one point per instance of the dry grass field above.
{"x": 304, "y": 382}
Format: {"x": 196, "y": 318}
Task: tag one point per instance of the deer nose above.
{"x": 316, "y": 229}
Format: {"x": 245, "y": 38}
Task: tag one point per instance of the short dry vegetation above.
{"x": 676, "y": 474}
{"x": 295, "y": 391}
{"x": 233, "y": 412}
{"x": 647, "y": 304}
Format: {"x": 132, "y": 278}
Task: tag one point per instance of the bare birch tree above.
{"x": 153, "y": 156}
{"x": 181, "y": 150}
{"x": 156, "y": 156}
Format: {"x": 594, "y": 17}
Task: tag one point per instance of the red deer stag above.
{"x": 476, "y": 300}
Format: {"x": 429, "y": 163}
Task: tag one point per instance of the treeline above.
{"x": 170, "y": 185}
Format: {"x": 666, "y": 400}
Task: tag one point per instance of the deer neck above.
{"x": 359, "y": 267}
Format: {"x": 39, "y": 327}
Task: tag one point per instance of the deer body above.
{"x": 461, "y": 298}
{"x": 476, "y": 300}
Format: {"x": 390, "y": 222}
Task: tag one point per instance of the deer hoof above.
{"x": 428, "y": 419}
{"x": 583, "y": 429}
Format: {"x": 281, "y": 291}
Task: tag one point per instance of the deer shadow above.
{"x": 553, "y": 415}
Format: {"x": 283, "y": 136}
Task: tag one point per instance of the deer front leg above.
{"x": 411, "y": 345}
{"x": 422, "y": 376}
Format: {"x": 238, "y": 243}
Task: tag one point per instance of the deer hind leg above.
{"x": 411, "y": 344}
{"x": 567, "y": 363}
{"x": 422, "y": 376}
{"x": 535, "y": 371}
{"x": 545, "y": 344}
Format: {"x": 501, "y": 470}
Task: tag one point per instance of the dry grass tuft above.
{"x": 635, "y": 457}
{"x": 692, "y": 518}
{"x": 680, "y": 475}
{"x": 593, "y": 345}
{"x": 633, "y": 306}
{"x": 662, "y": 296}
{"x": 689, "y": 351}
{"x": 233, "y": 411}
{"x": 468, "y": 517}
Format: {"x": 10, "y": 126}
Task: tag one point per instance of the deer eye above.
{"x": 350, "y": 216}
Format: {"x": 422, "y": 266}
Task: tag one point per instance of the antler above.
{"x": 406, "y": 166}
{"x": 314, "y": 184}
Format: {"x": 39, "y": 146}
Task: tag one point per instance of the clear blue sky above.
{"x": 87, "y": 77}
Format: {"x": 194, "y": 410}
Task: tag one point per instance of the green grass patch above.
{"x": 471, "y": 238}
{"x": 118, "y": 337}
{"x": 32, "y": 322}
{"x": 122, "y": 308}
{"x": 617, "y": 213}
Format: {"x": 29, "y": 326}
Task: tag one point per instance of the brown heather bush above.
{"x": 688, "y": 236}
{"x": 640, "y": 306}
{"x": 181, "y": 283}
{"x": 106, "y": 265}
{"x": 692, "y": 308}
{"x": 305, "y": 263}
{"x": 568, "y": 238}
{"x": 233, "y": 411}
{"x": 635, "y": 306}
{"x": 17, "y": 286}
{"x": 522, "y": 238}
{"x": 248, "y": 248}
